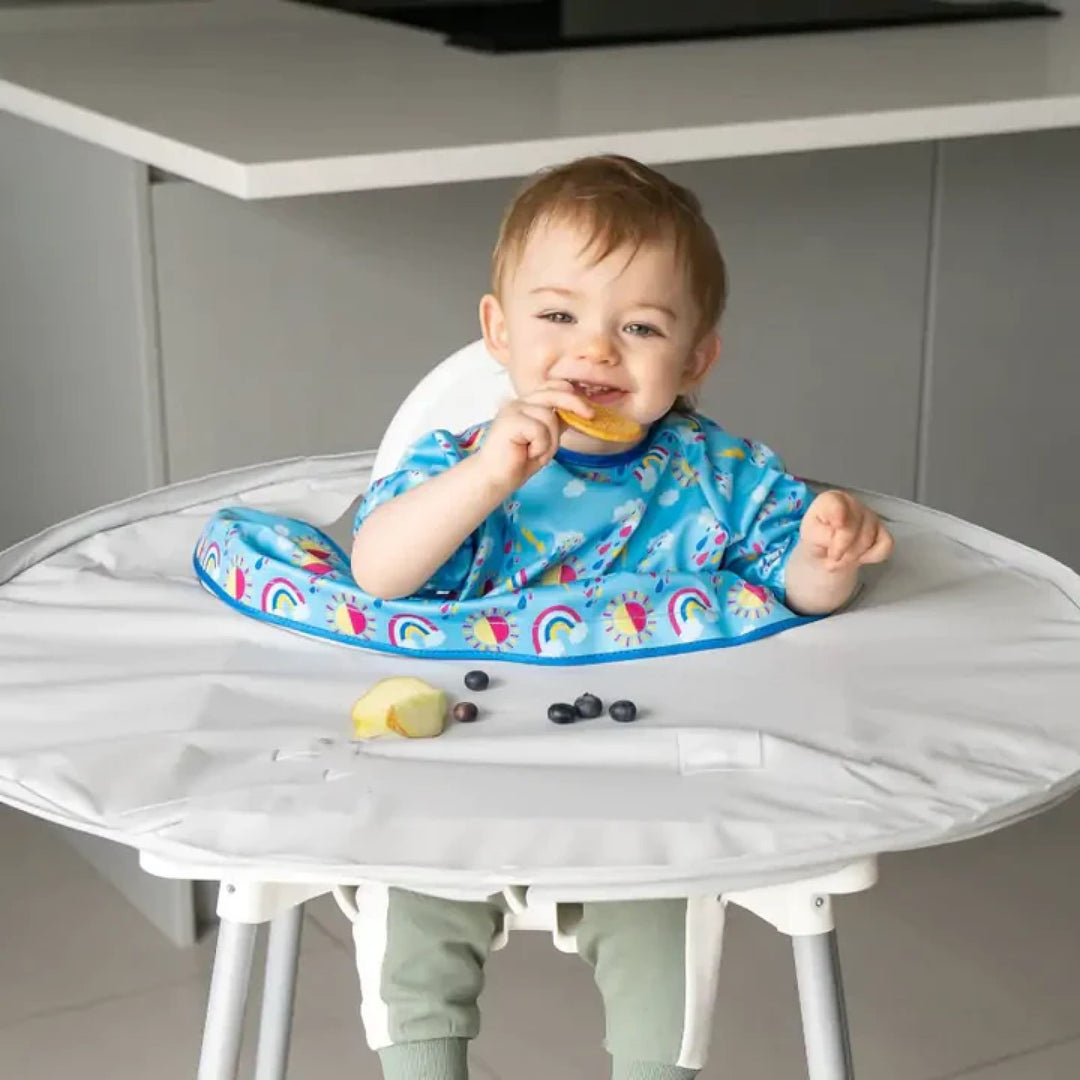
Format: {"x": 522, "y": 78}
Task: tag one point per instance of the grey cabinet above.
{"x": 297, "y": 326}
{"x": 78, "y": 392}
{"x": 1003, "y": 428}
{"x": 823, "y": 338}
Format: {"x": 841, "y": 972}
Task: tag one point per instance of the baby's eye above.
{"x": 557, "y": 316}
{"x": 638, "y": 329}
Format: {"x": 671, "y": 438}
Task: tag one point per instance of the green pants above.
{"x": 421, "y": 965}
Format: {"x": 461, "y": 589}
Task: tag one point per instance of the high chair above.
{"x": 136, "y": 706}
{"x": 800, "y": 909}
{"x": 467, "y": 388}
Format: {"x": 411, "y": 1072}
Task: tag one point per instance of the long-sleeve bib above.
{"x": 679, "y": 543}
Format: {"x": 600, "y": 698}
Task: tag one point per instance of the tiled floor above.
{"x": 964, "y": 962}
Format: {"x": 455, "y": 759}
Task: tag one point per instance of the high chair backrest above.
{"x": 465, "y": 389}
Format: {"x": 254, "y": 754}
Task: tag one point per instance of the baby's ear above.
{"x": 701, "y": 362}
{"x": 493, "y": 326}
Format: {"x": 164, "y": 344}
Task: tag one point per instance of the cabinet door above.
{"x": 78, "y": 408}
{"x": 823, "y": 337}
{"x": 298, "y": 326}
{"x": 1003, "y": 435}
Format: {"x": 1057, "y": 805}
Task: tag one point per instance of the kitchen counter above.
{"x": 261, "y": 98}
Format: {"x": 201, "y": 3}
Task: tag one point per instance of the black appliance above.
{"x": 504, "y": 26}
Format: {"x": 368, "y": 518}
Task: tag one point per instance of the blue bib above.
{"x": 680, "y": 543}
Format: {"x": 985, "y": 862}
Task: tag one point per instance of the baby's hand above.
{"x": 843, "y": 533}
{"x": 524, "y": 436}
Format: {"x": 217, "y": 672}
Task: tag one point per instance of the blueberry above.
{"x": 589, "y": 706}
{"x": 465, "y": 712}
{"x": 561, "y": 713}
{"x": 623, "y": 711}
{"x": 477, "y": 680}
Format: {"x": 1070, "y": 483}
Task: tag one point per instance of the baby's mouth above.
{"x": 598, "y": 393}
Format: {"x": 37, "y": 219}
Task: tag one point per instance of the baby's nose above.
{"x": 599, "y": 349}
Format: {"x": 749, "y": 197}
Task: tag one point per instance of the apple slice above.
{"x": 402, "y": 704}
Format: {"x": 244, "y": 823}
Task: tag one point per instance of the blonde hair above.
{"x": 619, "y": 203}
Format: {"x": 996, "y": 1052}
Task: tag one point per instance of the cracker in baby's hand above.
{"x": 606, "y": 424}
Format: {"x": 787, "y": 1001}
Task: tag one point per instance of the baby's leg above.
{"x": 421, "y": 964}
{"x": 656, "y": 963}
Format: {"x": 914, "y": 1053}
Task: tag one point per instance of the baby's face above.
{"x": 623, "y": 330}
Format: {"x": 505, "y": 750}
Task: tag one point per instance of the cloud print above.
{"x": 630, "y": 509}
{"x": 665, "y": 541}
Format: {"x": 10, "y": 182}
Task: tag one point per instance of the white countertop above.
{"x": 260, "y": 98}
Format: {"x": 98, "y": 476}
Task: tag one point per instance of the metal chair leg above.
{"x": 821, "y": 999}
{"x": 279, "y": 993}
{"x": 219, "y": 1058}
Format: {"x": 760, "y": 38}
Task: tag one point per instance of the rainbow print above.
{"x": 688, "y": 611}
{"x": 282, "y": 598}
{"x": 414, "y": 632}
{"x": 555, "y": 627}
{"x": 350, "y": 617}
{"x": 210, "y": 559}
{"x": 648, "y": 471}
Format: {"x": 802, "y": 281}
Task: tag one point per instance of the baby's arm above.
{"x": 837, "y": 536}
{"x": 402, "y": 543}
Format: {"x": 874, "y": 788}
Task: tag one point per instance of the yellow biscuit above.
{"x": 605, "y": 424}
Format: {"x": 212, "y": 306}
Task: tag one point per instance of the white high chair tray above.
{"x": 134, "y": 705}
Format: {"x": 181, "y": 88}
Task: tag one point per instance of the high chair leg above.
{"x": 821, "y": 999}
{"x": 219, "y": 1058}
{"x": 279, "y": 991}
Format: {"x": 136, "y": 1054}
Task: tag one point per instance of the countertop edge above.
{"x": 438, "y": 165}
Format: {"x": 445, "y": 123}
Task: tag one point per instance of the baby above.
{"x": 608, "y": 288}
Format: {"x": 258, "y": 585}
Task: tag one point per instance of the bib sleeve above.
{"x": 767, "y": 508}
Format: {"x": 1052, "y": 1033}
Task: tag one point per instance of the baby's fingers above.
{"x": 881, "y": 547}
{"x": 816, "y": 532}
{"x": 560, "y": 396}
{"x": 543, "y": 430}
{"x": 843, "y": 539}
